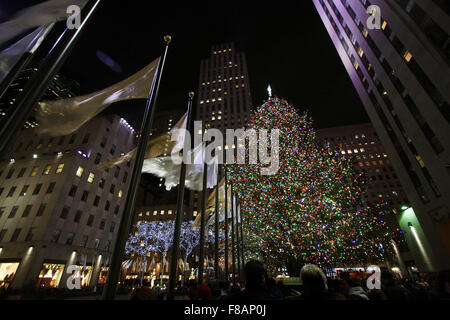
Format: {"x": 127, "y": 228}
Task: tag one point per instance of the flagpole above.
{"x": 180, "y": 202}
{"x": 233, "y": 238}
{"x": 36, "y": 87}
{"x": 226, "y": 223}
{"x": 127, "y": 217}
{"x": 203, "y": 222}
{"x": 23, "y": 61}
{"x": 242, "y": 237}
{"x": 216, "y": 228}
{"x": 238, "y": 243}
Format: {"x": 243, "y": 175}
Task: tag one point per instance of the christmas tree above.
{"x": 310, "y": 211}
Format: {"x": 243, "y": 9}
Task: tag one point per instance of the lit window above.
{"x": 355, "y": 64}
{"x": 202, "y": 102}
{"x": 91, "y": 177}
{"x": 355, "y": 151}
{"x": 34, "y": 171}
{"x": 343, "y": 152}
{"x": 47, "y": 170}
{"x": 384, "y": 25}
{"x": 120, "y": 193}
{"x": 60, "y": 167}
{"x": 362, "y": 150}
{"x": 407, "y": 56}
{"x": 162, "y": 212}
{"x": 147, "y": 213}
{"x": 155, "y": 213}
{"x": 169, "y": 211}
{"x": 140, "y": 214}
{"x": 195, "y": 213}
{"x": 360, "y": 52}
{"x": 80, "y": 171}
{"x": 365, "y": 32}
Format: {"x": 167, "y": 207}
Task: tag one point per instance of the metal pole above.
{"x": 226, "y": 223}
{"x": 36, "y": 87}
{"x": 216, "y": 228}
{"x": 202, "y": 223}
{"x": 180, "y": 203}
{"x": 233, "y": 238}
{"x": 127, "y": 217}
{"x": 23, "y": 61}
{"x": 238, "y": 243}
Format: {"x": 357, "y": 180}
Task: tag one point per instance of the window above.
{"x": 98, "y": 157}
{"x": 90, "y": 220}
{"x": 73, "y": 191}
{"x": 61, "y": 140}
{"x": 64, "y": 212}
{"x": 30, "y": 234}
{"x": 113, "y": 149}
{"x": 15, "y": 235}
{"x": 101, "y": 183}
{"x": 112, "y": 227}
{"x": 125, "y": 176}
{"x": 37, "y": 189}
{"x": 24, "y": 191}
{"x": 96, "y": 201}
{"x": 72, "y": 139}
{"x": 102, "y": 225}
{"x": 84, "y": 241}
{"x": 116, "y": 210}
{"x": 10, "y": 173}
{"x": 2, "y": 209}
{"x": 79, "y": 171}
{"x": 12, "y": 214}
{"x": 407, "y": 56}
{"x": 78, "y": 215}
{"x": 11, "y": 192}
{"x": 111, "y": 190}
{"x": 41, "y": 210}
{"x": 34, "y": 171}
{"x": 108, "y": 244}
{"x": 86, "y": 138}
{"x": 21, "y": 172}
{"x": 96, "y": 243}
{"x": 120, "y": 193}
{"x": 107, "y": 205}
{"x": 117, "y": 172}
{"x": 51, "y": 187}
{"x": 91, "y": 177}
{"x": 60, "y": 167}
{"x": 47, "y": 170}
{"x": 2, "y": 234}
{"x": 27, "y": 210}
{"x": 85, "y": 196}
{"x": 70, "y": 237}
{"x": 103, "y": 143}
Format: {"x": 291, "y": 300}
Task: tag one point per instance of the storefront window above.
{"x": 7, "y": 273}
{"x": 50, "y": 275}
{"x": 103, "y": 275}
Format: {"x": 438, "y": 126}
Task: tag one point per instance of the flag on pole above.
{"x": 11, "y": 55}
{"x": 157, "y": 146}
{"x": 35, "y": 16}
{"x": 64, "y": 116}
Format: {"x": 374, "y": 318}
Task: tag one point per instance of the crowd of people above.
{"x": 314, "y": 286}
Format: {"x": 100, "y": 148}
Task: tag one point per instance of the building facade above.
{"x": 400, "y": 69}
{"x": 59, "y": 206}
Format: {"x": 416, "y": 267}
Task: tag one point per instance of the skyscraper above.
{"x": 59, "y": 207}
{"x": 400, "y": 69}
{"x": 224, "y": 99}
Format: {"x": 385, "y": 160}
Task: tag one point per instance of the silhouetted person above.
{"x": 314, "y": 283}
{"x": 255, "y": 283}
{"x": 392, "y": 288}
{"x": 274, "y": 292}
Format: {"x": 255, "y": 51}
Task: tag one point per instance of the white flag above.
{"x": 36, "y": 16}
{"x": 64, "y": 116}
{"x": 11, "y": 55}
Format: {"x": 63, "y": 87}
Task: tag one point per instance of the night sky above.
{"x": 285, "y": 42}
